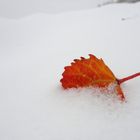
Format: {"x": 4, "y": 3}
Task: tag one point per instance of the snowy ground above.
{"x": 18, "y": 8}
{"x": 33, "y": 53}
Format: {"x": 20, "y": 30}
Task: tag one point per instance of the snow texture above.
{"x": 33, "y": 53}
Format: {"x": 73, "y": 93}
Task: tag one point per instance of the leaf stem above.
{"x": 120, "y": 81}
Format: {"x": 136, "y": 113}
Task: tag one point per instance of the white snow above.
{"x": 33, "y": 53}
{"x": 19, "y": 8}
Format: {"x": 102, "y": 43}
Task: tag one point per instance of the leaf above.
{"x": 91, "y": 72}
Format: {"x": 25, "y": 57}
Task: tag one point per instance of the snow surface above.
{"x": 33, "y": 53}
{"x": 20, "y": 8}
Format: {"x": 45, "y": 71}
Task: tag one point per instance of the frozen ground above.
{"x": 33, "y": 52}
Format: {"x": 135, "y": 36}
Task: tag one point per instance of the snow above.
{"x": 21, "y": 8}
{"x": 9, "y": 8}
{"x": 33, "y": 53}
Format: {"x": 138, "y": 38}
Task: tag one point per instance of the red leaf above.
{"x": 91, "y": 72}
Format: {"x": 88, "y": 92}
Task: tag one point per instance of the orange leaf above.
{"x": 89, "y": 72}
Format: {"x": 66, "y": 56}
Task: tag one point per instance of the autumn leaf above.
{"x": 91, "y": 72}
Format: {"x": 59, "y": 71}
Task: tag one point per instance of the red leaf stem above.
{"x": 120, "y": 81}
